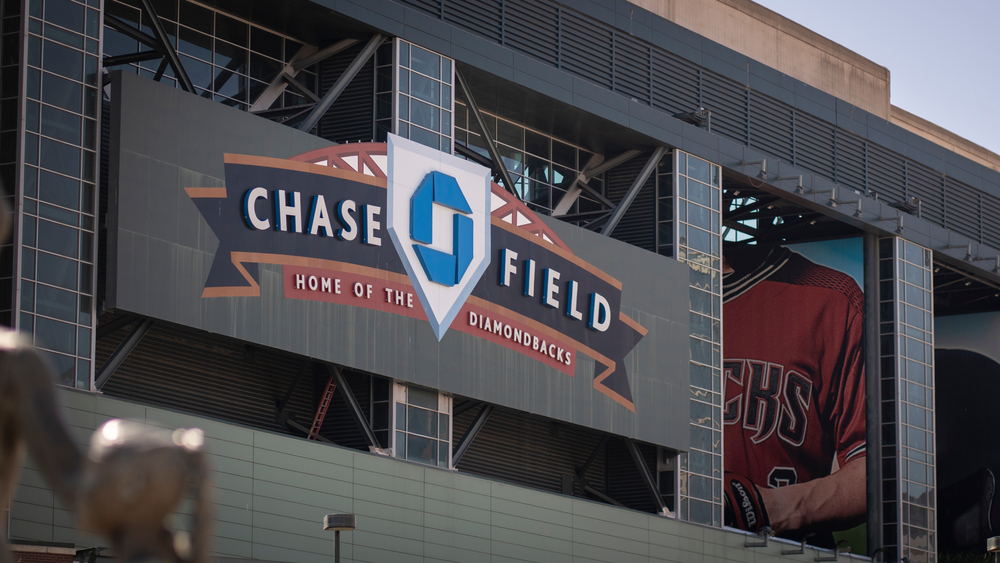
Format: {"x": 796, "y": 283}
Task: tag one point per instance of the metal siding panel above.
{"x": 991, "y": 220}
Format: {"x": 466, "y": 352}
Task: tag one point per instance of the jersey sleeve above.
{"x": 849, "y": 407}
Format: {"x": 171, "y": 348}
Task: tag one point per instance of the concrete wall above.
{"x": 784, "y": 45}
{"x": 273, "y": 490}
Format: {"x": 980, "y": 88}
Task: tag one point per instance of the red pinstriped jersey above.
{"x": 793, "y": 369}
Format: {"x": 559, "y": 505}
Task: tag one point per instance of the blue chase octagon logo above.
{"x": 441, "y": 267}
{"x": 439, "y": 223}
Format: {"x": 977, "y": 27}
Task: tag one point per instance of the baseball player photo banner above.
{"x": 966, "y": 387}
{"x": 794, "y": 384}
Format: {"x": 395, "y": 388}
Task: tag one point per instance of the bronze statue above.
{"x": 129, "y": 482}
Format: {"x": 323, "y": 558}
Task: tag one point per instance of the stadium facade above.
{"x": 463, "y": 268}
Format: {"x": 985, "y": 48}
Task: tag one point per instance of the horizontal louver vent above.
{"x": 991, "y": 220}
{"x": 597, "y": 51}
{"x": 586, "y": 51}
{"x": 926, "y": 185}
{"x": 532, "y": 28}
{"x": 632, "y": 68}
{"x": 481, "y": 17}
{"x": 851, "y": 161}
{"x": 963, "y": 208}
{"x": 675, "y": 84}
{"x": 770, "y": 126}
{"x": 350, "y": 118}
{"x": 727, "y": 102}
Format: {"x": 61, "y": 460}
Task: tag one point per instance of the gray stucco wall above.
{"x": 273, "y": 490}
{"x": 164, "y": 140}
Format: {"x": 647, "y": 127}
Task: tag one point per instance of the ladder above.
{"x": 324, "y": 405}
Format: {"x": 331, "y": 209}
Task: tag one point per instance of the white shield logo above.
{"x": 439, "y": 222}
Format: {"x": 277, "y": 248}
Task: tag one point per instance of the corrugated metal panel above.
{"x": 102, "y": 205}
{"x": 586, "y": 49}
{"x": 770, "y": 126}
{"x": 632, "y": 68}
{"x": 223, "y": 378}
{"x": 529, "y": 450}
{"x": 628, "y": 486}
{"x": 481, "y": 17}
{"x": 814, "y": 144}
{"x": 926, "y": 184}
{"x": 964, "y": 204}
{"x": 638, "y": 225}
{"x": 350, "y": 118}
{"x": 728, "y": 102}
{"x": 675, "y": 83}
{"x": 851, "y": 161}
{"x": 532, "y": 28}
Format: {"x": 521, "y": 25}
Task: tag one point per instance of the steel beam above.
{"x": 121, "y": 352}
{"x": 354, "y": 407}
{"x": 167, "y": 47}
{"x": 491, "y": 146}
{"x": 131, "y": 58}
{"x": 633, "y": 191}
{"x": 299, "y": 87}
{"x": 640, "y": 463}
{"x": 470, "y": 434}
{"x": 280, "y": 405}
{"x": 473, "y": 156}
{"x": 320, "y": 56}
{"x": 580, "y": 184}
{"x": 106, "y": 329}
{"x": 342, "y": 82}
{"x": 121, "y": 26}
{"x": 278, "y": 84}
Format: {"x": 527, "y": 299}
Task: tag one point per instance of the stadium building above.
{"x": 510, "y": 280}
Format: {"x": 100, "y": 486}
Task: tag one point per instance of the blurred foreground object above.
{"x": 127, "y": 486}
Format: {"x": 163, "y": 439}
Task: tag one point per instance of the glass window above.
{"x": 423, "y": 425}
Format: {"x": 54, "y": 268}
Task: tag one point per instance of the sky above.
{"x": 943, "y": 57}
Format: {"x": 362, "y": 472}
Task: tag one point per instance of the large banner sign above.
{"x": 422, "y": 234}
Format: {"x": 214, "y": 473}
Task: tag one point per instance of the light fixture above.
{"x": 339, "y": 523}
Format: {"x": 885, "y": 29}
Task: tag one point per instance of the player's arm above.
{"x": 837, "y": 501}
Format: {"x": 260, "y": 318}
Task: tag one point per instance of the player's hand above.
{"x": 744, "y": 507}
